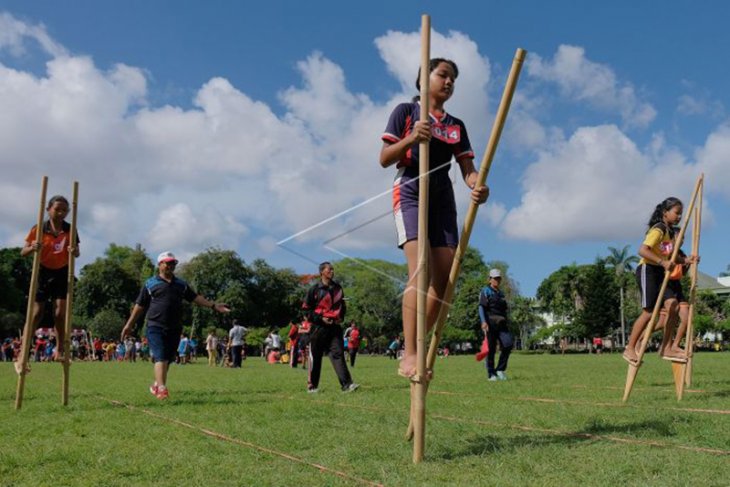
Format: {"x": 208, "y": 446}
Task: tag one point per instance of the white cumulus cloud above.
{"x": 585, "y": 81}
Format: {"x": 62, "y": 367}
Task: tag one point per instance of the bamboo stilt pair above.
{"x": 29, "y": 328}
{"x": 419, "y": 386}
{"x": 681, "y": 372}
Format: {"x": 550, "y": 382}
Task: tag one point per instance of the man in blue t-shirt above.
{"x": 162, "y": 296}
{"x": 493, "y": 314}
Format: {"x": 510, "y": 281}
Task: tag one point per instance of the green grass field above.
{"x": 559, "y": 420}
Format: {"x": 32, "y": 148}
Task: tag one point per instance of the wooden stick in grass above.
{"x": 471, "y": 214}
{"x": 689, "y": 339}
{"x": 28, "y": 330}
{"x": 679, "y": 370}
{"x": 69, "y": 296}
{"x": 418, "y": 387}
{"x": 634, "y": 367}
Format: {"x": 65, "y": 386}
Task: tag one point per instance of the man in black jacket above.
{"x": 325, "y": 308}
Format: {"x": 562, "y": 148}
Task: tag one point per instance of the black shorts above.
{"x": 52, "y": 284}
{"x": 649, "y": 278}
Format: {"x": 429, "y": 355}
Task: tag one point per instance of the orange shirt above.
{"x": 54, "y": 249}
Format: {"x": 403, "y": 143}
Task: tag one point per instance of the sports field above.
{"x": 558, "y": 420}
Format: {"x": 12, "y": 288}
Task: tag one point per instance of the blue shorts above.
{"x": 442, "y": 227}
{"x": 163, "y": 342}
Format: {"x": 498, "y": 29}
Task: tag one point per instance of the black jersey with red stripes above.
{"x": 325, "y": 301}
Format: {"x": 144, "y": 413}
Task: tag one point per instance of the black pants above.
{"x": 498, "y": 333}
{"x": 327, "y": 339}
{"x": 236, "y": 351}
{"x": 353, "y": 354}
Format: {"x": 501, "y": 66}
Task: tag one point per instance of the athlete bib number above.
{"x": 451, "y": 134}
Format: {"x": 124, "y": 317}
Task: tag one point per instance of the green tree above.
{"x": 107, "y": 324}
{"x": 15, "y": 274}
{"x": 372, "y": 291}
{"x": 219, "y": 275}
{"x": 463, "y": 318}
{"x": 622, "y": 263}
{"x": 133, "y": 261}
{"x": 276, "y": 295}
{"x": 560, "y": 293}
{"x": 523, "y": 318}
{"x": 104, "y": 285}
{"x": 600, "y": 299}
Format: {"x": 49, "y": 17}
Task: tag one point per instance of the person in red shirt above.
{"x": 353, "y": 342}
{"x": 293, "y": 344}
{"x": 54, "y": 248}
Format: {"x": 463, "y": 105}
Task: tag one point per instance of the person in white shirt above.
{"x": 237, "y": 335}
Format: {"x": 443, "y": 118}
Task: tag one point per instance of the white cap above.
{"x": 495, "y": 273}
{"x": 166, "y": 257}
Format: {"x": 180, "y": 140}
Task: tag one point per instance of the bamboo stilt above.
{"x": 69, "y": 297}
{"x": 484, "y": 167}
{"x": 634, "y": 368}
{"x": 418, "y": 395}
{"x": 29, "y": 328}
{"x": 689, "y": 338}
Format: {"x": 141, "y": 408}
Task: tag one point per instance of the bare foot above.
{"x": 407, "y": 367}
{"x": 674, "y": 356}
{"x": 18, "y": 367}
{"x": 630, "y": 356}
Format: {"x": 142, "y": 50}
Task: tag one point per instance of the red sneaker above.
{"x": 153, "y": 388}
{"x": 162, "y": 394}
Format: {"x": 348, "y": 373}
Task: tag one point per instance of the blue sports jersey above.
{"x": 164, "y": 300}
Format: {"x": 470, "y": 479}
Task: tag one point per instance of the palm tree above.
{"x": 621, "y": 262}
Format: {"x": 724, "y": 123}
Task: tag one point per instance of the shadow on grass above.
{"x": 490, "y": 443}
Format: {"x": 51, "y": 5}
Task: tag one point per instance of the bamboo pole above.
{"x": 29, "y": 325}
{"x": 679, "y": 371}
{"x": 69, "y": 296}
{"x": 484, "y": 167}
{"x": 689, "y": 342}
{"x": 634, "y": 368}
{"x": 418, "y": 389}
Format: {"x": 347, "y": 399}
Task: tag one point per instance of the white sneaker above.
{"x": 492, "y": 378}
{"x": 350, "y": 388}
{"x": 501, "y": 375}
{"x": 312, "y": 391}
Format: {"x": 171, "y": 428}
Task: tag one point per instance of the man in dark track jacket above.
{"x": 325, "y": 308}
{"x": 493, "y": 313}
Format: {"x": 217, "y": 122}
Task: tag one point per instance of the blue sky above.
{"x": 239, "y": 124}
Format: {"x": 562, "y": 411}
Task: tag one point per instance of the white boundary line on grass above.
{"x": 248, "y": 444}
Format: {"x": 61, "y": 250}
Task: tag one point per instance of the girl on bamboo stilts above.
{"x": 655, "y": 253}
{"x": 54, "y": 248}
{"x": 448, "y": 140}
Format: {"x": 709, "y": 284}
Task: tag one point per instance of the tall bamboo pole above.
{"x": 634, "y": 368}
{"x": 689, "y": 340}
{"x": 418, "y": 389}
{"x": 29, "y": 328}
{"x": 69, "y": 296}
{"x": 484, "y": 167}
{"x": 679, "y": 371}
